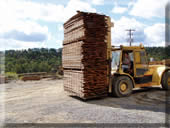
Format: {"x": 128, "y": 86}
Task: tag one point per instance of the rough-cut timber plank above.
{"x": 85, "y": 55}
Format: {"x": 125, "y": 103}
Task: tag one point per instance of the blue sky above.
{"x": 39, "y": 23}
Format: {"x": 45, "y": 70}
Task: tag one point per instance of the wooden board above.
{"x": 84, "y": 56}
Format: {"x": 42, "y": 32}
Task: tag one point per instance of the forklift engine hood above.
{"x": 158, "y": 71}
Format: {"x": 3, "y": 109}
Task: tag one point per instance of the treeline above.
{"x": 49, "y": 60}
{"x": 33, "y": 60}
{"x": 158, "y": 53}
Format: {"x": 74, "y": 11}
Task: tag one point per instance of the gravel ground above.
{"x": 45, "y": 101}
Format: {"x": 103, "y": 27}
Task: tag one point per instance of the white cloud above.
{"x": 26, "y": 27}
{"x": 98, "y": 2}
{"x": 19, "y": 21}
{"x": 149, "y": 8}
{"x": 131, "y": 3}
{"x": 119, "y": 10}
{"x": 120, "y": 35}
{"x": 60, "y": 27}
{"x": 22, "y": 34}
{"x": 73, "y": 6}
{"x": 59, "y": 43}
{"x": 17, "y": 9}
{"x": 15, "y": 44}
{"x": 155, "y": 35}
{"x": 147, "y": 35}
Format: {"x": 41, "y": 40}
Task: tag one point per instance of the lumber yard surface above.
{"x": 45, "y": 101}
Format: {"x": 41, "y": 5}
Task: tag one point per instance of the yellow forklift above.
{"x": 129, "y": 68}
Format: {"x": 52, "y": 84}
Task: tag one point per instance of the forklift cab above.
{"x": 131, "y": 61}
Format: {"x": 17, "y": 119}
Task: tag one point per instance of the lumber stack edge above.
{"x": 84, "y": 56}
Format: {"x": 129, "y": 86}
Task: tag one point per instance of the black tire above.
{"x": 118, "y": 82}
{"x": 164, "y": 81}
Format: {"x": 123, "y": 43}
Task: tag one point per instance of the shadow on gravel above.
{"x": 149, "y": 99}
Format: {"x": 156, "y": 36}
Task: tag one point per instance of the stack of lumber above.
{"x": 3, "y": 79}
{"x": 84, "y": 56}
{"x": 28, "y": 78}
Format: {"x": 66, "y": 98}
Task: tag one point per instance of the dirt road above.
{"x": 45, "y": 101}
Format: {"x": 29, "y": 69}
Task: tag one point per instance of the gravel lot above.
{"x": 45, "y": 101}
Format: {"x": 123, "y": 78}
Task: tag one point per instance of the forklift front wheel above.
{"x": 122, "y": 86}
{"x": 166, "y": 80}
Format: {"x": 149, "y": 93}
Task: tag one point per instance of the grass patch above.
{"x": 58, "y": 76}
{"x": 11, "y": 75}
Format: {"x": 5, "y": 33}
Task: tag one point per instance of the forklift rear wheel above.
{"x": 166, "y": 80}
{"x": 122, "y": 86}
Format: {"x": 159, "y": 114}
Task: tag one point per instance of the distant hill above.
{"x": 49, "y": 60}
{"x": 158, "y": 53}
{"x": 32, "y": 60}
